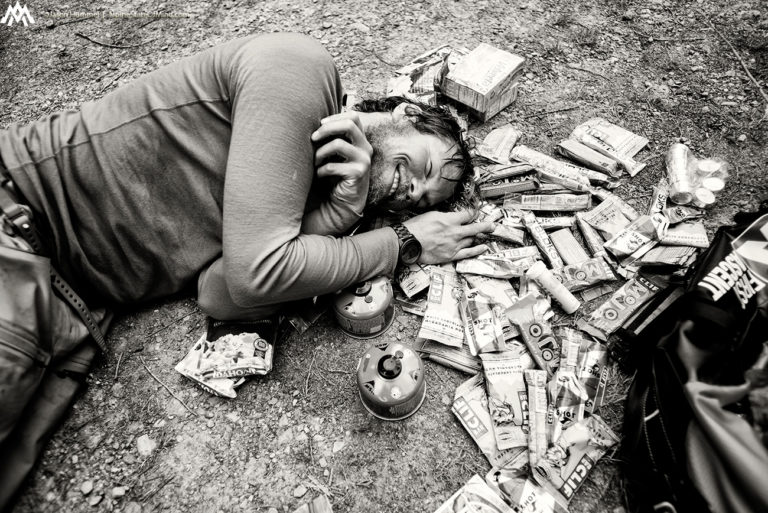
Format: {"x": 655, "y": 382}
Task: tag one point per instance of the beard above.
{"x": 379, "y": 138}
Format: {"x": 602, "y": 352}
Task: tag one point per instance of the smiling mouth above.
{"x": 395, "y": 183}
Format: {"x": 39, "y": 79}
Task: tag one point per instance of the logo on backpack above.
{"x": 17, "y": 14}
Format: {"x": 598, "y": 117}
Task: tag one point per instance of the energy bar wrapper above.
{"x": 642, "y": 234}
{"x": 591, "y": 236}
{"x": 680, "y": 213}
{"x": 523, "y": 493}
{"x": 585, "y": 155}
{"x": 567, "y": 401}
{"x": 483, "y": 329}
{"x": 584, "y": 274}
{"x": 507, "y": 398}
{"x": 595, "y": 292}
{"x": 659, "y": 198}
{"x": 609, "y": 316}
{"x": 588, "y": 359}
{"x": 236, "y": 355}
{"x": 668, "y": 255}
{"x": 687, "y": 234}
{"x": 495, "y": 267}
{"x": 488, "y": 212}
{"x": 458, "y": 358}
{"x": 442, "y": 319}
{"x": 508, "y": 185}
{"x": 626, "y": 209}
{"x": 498, "y": 144}
{"x": 568, "y": 247}
{"x": 606, "y": 218}
{"x": 470, "y": 405}
{"x": 508, "y": 234}
{"x": 536, "y": 333}
{"x": 542, "y": 240}
{"x": 414, "y": 278}
{"x": 612, "y": 141}
{"x": 190, "y": 366}
{"x": 570, "y": 459}
{"x": 501, "y": 294}
{"x": 513, "y": 253}
{"x": 536, "y": 382}
{"x": 474, "y": 497}
{"x": 556, "y": 171}
{"x": 548, "y": 202}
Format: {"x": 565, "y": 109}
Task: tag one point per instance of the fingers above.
{"x": 472, "y": 229}
{"x": 470, "y": 252}
{"x": 345, "y": 152}
{"x": 460, "y": 216}
{"x": 346, "y": 125}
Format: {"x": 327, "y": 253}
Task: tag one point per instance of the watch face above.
{"x": 411, "y": 251}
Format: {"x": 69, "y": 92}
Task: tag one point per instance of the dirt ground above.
{"x": 656, "y": 67}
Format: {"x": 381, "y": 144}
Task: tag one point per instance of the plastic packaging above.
{"x": 693, "y": 180}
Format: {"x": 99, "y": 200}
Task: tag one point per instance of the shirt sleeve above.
{"x": 281, "y": 86}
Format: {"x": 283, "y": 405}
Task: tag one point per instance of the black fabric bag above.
{"x": 687, "y": 445}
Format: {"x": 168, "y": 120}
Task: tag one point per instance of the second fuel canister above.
{"x": 367, "y": 309}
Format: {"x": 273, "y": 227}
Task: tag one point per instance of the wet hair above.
{"x": 437, "y": 121}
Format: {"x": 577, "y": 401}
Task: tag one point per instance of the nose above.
{"x": 416, "y": 189}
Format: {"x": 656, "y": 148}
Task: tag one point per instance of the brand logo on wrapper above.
{"x": 17, "y": 14}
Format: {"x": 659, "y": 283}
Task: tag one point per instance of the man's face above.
{"x": 409, "y": 168}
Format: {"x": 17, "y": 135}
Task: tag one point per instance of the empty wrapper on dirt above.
{"x": 474, "y": 497}
{"x": 612, "y": 141}
{"x": 191, "y": 367}
{"x": 470, "y": 405}
{"x": 319, "y": 504}
{"x": 413, "y": 278}
{"x": 523, "y": 493}
{"x": 482, "y": 318}
{"x": 442, "y": 318}
{"x": 507, "y": 398}
{"x": 569, "y": 460}
{"x": 585, "y": 274}
{"x": 485, "y": 80}
{"x": 536, "y": 333}
{"x": 458, "y": 358}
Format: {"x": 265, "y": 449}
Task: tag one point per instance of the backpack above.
{"x": 687, "y": 444}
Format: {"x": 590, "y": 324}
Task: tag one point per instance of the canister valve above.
{"x": 390, "y": 367}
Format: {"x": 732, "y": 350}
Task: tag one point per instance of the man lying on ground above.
{"x": 233, "y": 169}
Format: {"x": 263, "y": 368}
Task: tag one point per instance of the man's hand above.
{"x": 446, "y": 236}
{"x": 344, "y": 153}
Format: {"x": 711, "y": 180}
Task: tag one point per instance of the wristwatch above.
{"x": 410, "y": 247}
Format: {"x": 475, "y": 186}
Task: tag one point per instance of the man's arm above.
{"x": 281, "y": 86}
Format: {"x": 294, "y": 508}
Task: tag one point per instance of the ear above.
{"x": 399, "y": 112}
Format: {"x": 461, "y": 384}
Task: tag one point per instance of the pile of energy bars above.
{"x": 540, "y": 367}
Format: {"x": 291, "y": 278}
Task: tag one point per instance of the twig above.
{"x": 149, "y": 495}
{"x": 69, "y": 22}
{"x": 337, "y": 371}
{"x": 549, "y": 112}
{"x": 119, "y": 47}
{"x": 118, "y": 77}
{"x": 376, "y": 54}
{"x": 309, "y": 372}
{"x": 168, "y": 325}
{"x": 589, "y": 71}
{"x": 311, "y": 454}
{"x": 166, "y": 387}
{"x": 117, "y": 368}
{"x": 743, "y": 65}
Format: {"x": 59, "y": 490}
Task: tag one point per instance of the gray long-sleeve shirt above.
{"x": 206, "y": 158}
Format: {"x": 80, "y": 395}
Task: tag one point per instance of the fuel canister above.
{"x": 367, "y": 309}
{"x": 390, "y": 378}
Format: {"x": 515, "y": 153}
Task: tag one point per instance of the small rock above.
{"x": 272, "y": 510}
{"x": 94, "y": 440}
{"x": 209, "y": 415}
{"x": 705, "y": 109}
{"x": 300, "y": 491}
{"x": 119, "y": 491}
{"x": 51, "y": 496}
{"x": 132, "y": 507}
{"x": 326, "y": 473}
{"x": 362, "y": 27}
{"x": 95, "y": 499}
{"x": 446, "y": 400}
{"x": 337, "y": 446}
{"x": 233, "y": 416}
{"x": 86, "y": 487}
{"x": 327, "y": 25}
{"x": 145, "y": 445}
{"x": 283, "y": 422}
{"x": 285, "y": 437}
{"x": 118, "y": 390}
{"x": 75, "y": 459}
{"x": 210, "y": 423}
{"x": 742, "y": 138}
{"x": 322, "y": 462}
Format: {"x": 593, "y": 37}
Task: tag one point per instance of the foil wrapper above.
{"x": 606, "y": 218}
{"x": 585, "y": 155}
{"x": 507, "y": 398}
{"x": 567, "y": 246}
{"x": 442, "y": 318}
{"x": 584, "y": 274}
{"x": 536, "y": 333}
{"x": 612, "y": 141}
{"x": 610, "y": 315}
{"x": 692, "y": 234}
{"x": 542, "y": 240}
{"x": 414, "y": 278}
{"x": 458, "y": 358}
{"x": 536, "y": 383}
{"x": 482, "y": 320}
{"x": 495, "y": 267}
{"x": 475, "y": 496}
{"x": 548, "y": 202}
{"x": 591, "y": 236}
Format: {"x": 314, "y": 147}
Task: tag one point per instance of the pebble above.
{"x": 742, "y": 137}
{"x": 322, "y": 462}
{"x": 272, "y": 510}
{"x": 119, "y": 491}
{"x": 273, "y": 401}
{"x": 337, "y": 446}
{"x": 209, "y": 415}
{"x": 300, "y": 491}
{"x": 283, "y": 422}
{"x": 132, "y": 507}
{"x": 86, "y": 487}
{"x": 145, "y": 445}
{"x": 94, "y": 500}
{"x": 210, "y": 423}
{"x": 446, "y": 400}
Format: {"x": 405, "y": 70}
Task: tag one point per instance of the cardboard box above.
{"x": 485, "y": 80}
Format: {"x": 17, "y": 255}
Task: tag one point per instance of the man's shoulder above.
{"x": 283, "y": 46}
